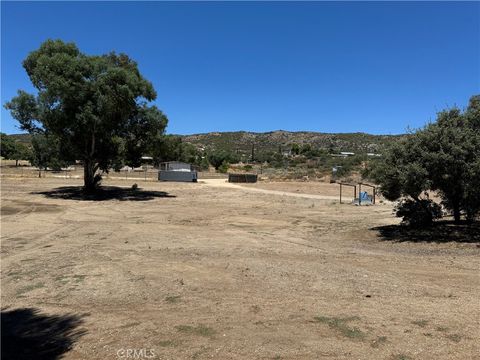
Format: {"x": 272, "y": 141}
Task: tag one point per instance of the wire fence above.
{"x": 75, "y": 173}
{"x": 149, "y": 174}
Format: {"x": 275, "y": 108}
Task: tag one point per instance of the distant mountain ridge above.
{"x": 273, "y": 140}
{"x": 242, "y": 141}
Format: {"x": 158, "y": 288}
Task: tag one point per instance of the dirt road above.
{"x": 248, "y": 187}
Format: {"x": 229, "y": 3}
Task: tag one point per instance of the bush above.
{"x": 442, "y": 157}
{"x": 204, "y": 164}
{"x": 220, "y": 157}
{"x": 418, "y": 213}
{"x": 224, "y": 167}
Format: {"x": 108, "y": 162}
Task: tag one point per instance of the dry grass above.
{"x": 340, "y": 325}
{"x": 228, "y": 273}
{"x": 199, "y": 330}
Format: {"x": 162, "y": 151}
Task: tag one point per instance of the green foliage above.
{"x": 276, "y": 141}
{"x": 451, "y": 156}
{"x": 46, "y": 152}
{"x": 401, "y": 172}
{"x": 219, "y": 158}
{"x": 295, "y": 149}
{"x": 224, "y": 167}
{"x": 204, "y": 164}
{"x": 95, "y": 106}
{"x": 13, "y": 150}
{"x": 273, "y": 158}
{"x": 444, "y": 157}
{"x": 311, "y": 152}
{"x": 145, "y": 128}
{"x": 7, "y": 146}
{"x": 418, "y": 213}
{"x": 172, "y": 148}
{"x": 167, "y": 148}
{"x": 22, "y": 152}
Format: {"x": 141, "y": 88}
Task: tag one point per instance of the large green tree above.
{"x": 46, "y": 153}
{"x": 13, "y": 150}
{"x": 96, "y": 107}
{"x": 444, "y": 157}
{"x": 172, "y": 148}
{"x": 222, "y": 157}
{"x": 7, "y": 146}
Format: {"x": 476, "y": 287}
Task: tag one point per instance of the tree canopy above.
{"x": 221, "y": 157}
{"x": 13, "y": 150}
{"x": 95, "y": 107}
{"x": 444, "y": 157}
{"x": 8, "y": 146}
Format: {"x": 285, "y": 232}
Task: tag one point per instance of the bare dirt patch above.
{"x": 307, "y": 187}
{"x": 13, "y": 207}
{"x": 225, "y": 273}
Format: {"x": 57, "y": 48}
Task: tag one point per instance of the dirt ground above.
{"x": 314, "y": 189}
{"x": 207, "y": 271}
{"x": 307, "y": 187}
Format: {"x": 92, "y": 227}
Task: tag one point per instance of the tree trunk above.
{"x": 89, "y": 181}
{"x": 470, "y": 216}
{"x": 16, "y": 162}
{"x": 456, "y": 213}
{"x": 90, "y": 168}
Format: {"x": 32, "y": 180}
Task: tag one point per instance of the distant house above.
{"x": 346, "y": 153}
{"x": 177, "y": 171}
{"x": 374, "y": 155}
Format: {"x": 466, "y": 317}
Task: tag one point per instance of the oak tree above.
{"x": 96, "y": 107}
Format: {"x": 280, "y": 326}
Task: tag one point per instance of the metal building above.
{"x": 177, "y": 171}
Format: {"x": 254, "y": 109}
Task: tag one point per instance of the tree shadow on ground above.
{"x": 27, "y": 334}
{"x": 439, "y": 232}
{"x": 104, "y": 193}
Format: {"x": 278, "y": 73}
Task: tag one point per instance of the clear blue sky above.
{"x": 376, "y": 67}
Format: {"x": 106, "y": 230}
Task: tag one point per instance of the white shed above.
{"x": 176, "y": 166}
{"x": 177, "y": 171}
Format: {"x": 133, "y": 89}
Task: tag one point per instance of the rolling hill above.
{"x": 242, "y": 141}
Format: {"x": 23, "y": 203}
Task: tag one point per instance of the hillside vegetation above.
{"x": 242, "y": 141}
{"x": 299, "y": 154}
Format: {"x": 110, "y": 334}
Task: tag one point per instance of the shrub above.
{"x": 443, "y": 157}
{"x": 224, "y": 167}
{"x": 417, "y": 213}
{"x": 221, "y": 157}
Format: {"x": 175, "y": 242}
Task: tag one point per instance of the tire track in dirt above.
{"x": 224, "y": 184}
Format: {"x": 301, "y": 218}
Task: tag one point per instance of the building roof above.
{"x": 174, "y": 162}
